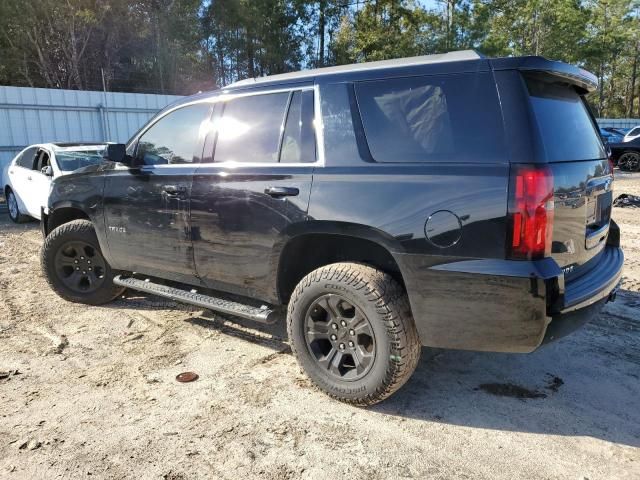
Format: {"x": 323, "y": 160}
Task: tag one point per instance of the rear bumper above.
{"x": 503, "y": 305}
{"x": 597, "y": 284}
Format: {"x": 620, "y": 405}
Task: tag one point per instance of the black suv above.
{"x": 451, "y": 201}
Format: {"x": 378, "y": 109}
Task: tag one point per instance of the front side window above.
{"x": 174, "y": 138}
{"x": 43, "y": 161}
{"x": 250, "y": 127}
{"x": 441, "y": 118}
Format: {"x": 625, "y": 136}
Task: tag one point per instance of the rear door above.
{"x": 255, "y": 186}
{"x": 568, "y": 140}
{"x": 147, "y": 205}
{"x": 19, "y": 173}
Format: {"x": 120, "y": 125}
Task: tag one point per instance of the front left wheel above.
{"x": 74, "y": 267}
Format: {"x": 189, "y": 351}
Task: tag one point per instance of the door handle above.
{"x": 278, "y": 192}
{"x": 29, "y": 177}
{"x": 174, "y": 190}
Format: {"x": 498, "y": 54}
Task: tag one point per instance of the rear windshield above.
{"x": 566, "y": 129}
{"x": 441, "y": 118}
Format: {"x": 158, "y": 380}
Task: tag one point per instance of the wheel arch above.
{"x": 306, "y": 247}
{"x": 64, "y": 214}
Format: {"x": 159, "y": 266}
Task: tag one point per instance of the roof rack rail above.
{"x": 456, "y": 56}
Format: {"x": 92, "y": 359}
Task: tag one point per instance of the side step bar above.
{"x": 262, "y": 314}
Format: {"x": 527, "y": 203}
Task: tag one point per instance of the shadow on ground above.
{"x": 586, "y": 384}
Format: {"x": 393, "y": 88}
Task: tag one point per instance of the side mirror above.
{"x": 48, "y": 171}
{"x": 116, "y": 152}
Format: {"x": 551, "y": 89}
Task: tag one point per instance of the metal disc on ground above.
{"x": 186, "y": 377}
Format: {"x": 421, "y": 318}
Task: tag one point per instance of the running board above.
{"x": 262, "y": 314}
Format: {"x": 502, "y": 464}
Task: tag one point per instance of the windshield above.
{"x": 73, "y": 160}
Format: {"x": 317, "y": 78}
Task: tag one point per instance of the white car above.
{"x": 631, "y": 134}
{"x": 30, "y": 173}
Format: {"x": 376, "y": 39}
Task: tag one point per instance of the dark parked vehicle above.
{"x": 609, "y": 135}
{"x": 451, "y": 201}
{"x": 626, "y": 155}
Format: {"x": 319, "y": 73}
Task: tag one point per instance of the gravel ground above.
{"x": 92, "y": 391}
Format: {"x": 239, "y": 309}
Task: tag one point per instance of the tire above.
{"x": 629, "y": 161}
{"x": 74, "y": 267}
{"x": 14, "y": 208}
{"x": 377, "y": 358}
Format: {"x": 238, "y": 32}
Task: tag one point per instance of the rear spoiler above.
{"x": 583, "y": 80}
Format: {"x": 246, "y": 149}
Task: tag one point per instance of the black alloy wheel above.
{"x": 80, "y": 267}
{"x": 75, "y": 267}
{"x": 340, "y": 337}
{"x": 630, "y": 161}
{"x": 352, "y": 332}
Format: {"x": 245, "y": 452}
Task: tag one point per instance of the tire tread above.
{"x": 83, "y": 228}
{"x": 392, "y": 305}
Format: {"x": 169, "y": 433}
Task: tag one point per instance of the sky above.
{"x": 430, "y": 4}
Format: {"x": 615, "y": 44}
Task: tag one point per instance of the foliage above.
{"x": 182, "y": 46}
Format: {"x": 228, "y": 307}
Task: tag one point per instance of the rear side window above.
{"x": 565, "y": 127}
{"x": 298, "y": 139}
{"x": 453, "y": 118}
{"x": 26, "y": 160}
{"x": 249, "y": 129}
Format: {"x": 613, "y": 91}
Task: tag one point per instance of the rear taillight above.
{"x": 610, "y": 157}
{"x": 530, "y": 212}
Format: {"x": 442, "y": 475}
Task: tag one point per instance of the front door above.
{"x": 147, "y": 205}
{"x": 256, "y": 187}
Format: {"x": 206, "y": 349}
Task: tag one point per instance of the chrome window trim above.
{"x": 223, "y": 97}
{"x": 317, "y": 126}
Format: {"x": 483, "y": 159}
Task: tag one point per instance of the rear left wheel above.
{"x": 74, "y": 266}
{"x": 14, "y": 208}
{"x": 351, "y": 329}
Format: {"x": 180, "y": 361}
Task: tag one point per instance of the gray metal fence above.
{"x": 42, "y": 115}
{"x": 625, "y": 123}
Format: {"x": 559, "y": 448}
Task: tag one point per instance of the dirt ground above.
{"x": 95, "y": 394}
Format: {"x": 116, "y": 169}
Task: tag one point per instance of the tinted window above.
{"x": 27, "y": 158}
{"x": 432, "y": 119}
{"x": 634, "y": 131}
{"x": 340, "y": 141}
{"x": 565, "y": 127}
{"x": 298, "y": 141}
{"x": 73, "y": 160}
{"x": 249, "y": 128}
{"x": 174, "y": 138}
